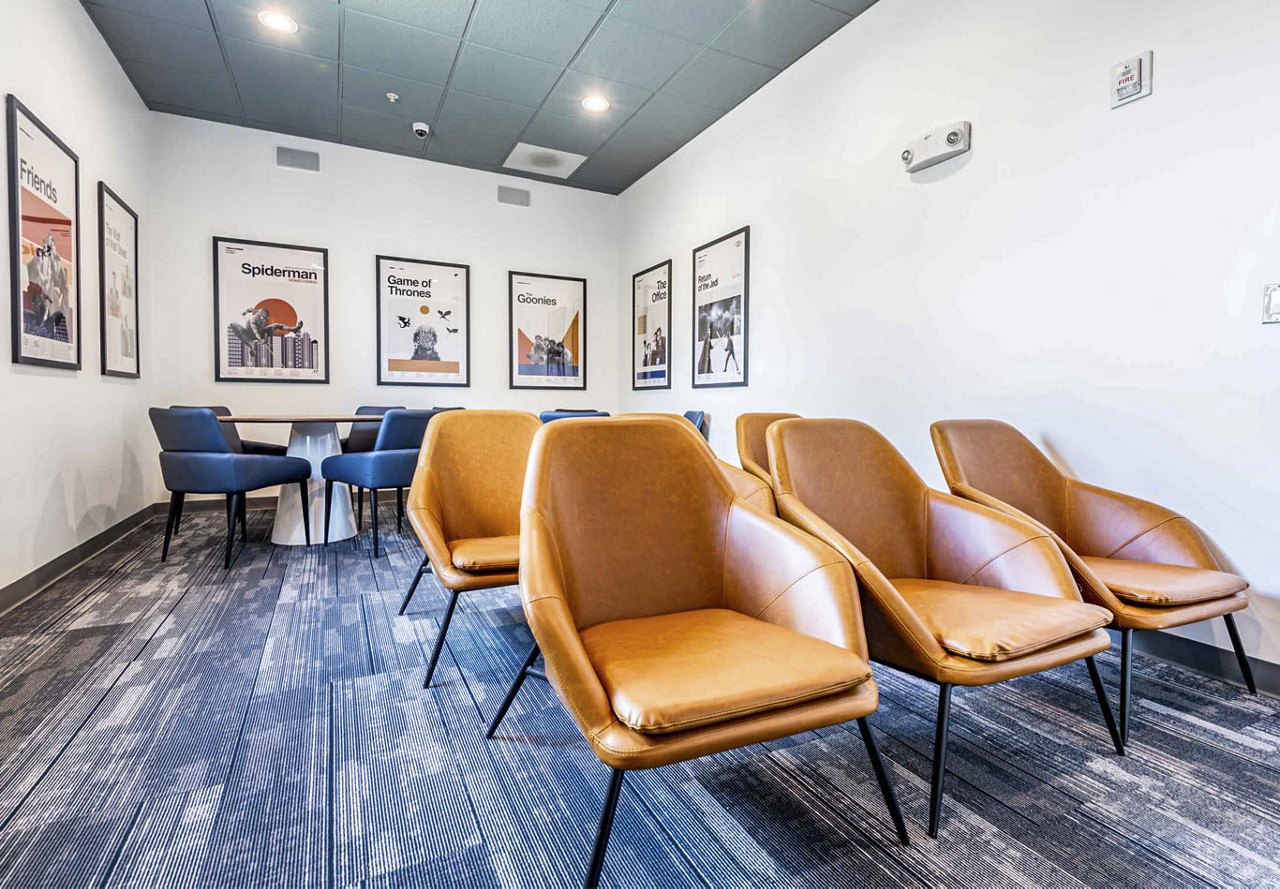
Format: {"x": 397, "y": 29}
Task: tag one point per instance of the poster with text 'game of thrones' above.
{"x": 720, "y": 292}
{"x": 270, "y": 312}
{"x": 548, "y": 335}
{"x": 424, "y": 330}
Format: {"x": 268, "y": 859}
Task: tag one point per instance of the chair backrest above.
{"x": 560, "y": 414}
{"x": 402, "y": 429}
{"x": 753, "y": 453}
{"x": 475, "y": 460}
{"x": 750, "y": 490}
{"x": 189, "y": 429}
{"x": 637, "y": 509}
{"x": 857, "y": 482}
{"x": 997, "y": 459}
{"x": 364, "y": 436}
{"x": 699, "y": 421}
{"x": 229, "y": 430}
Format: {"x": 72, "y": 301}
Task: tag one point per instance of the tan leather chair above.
{"x": 753, "y": 452}
{"x": 675, "y": 620}
{"x": 1145, "y": 564}
{"x": 464, "y": 504}
{"x": 951, "y": 591}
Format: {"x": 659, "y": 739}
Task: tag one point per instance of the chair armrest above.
{"x": 1116, "y": 526}
{"x": 556, "y": 631}
{"x": 748, "y": 488}
{"x": 970, "y": 543}
{"x": 427, "y": 520}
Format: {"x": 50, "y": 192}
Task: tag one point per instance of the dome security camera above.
{"x": 421, "y": 130}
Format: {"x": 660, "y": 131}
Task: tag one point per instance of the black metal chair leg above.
{"x": 231, "y": 529}
{"x": 359, "y": 509}
{"x": 242, "y": 514}
{"x": 1126, "y": 681}
{"x": 1098, "y": 689}
{"x": 399, "y": 510}
{"x": 177, "y": 520}
{"x": 939, "y": 757}
{"x": 439, "y": 646}
{"x": 422, "y": 569}
{"x": 521, "y": 676}
{"x": 1243, "y": 658}
{"x": 170, "y": 522}
{"x": 606, "y": 827}
{"x": 304, "y": 493}
{"x": 328, "y": 507}
{"x": 886, "y": 788}
{"x": 373, "y": 516}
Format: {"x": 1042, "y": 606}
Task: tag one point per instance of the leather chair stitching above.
{"x": 1142, "y": 534}
{"x": 812, "y": 694}
{"x": 998, "y": 556}
{"x": 821, "y": 567}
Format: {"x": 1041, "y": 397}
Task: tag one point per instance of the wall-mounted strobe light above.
{"x": 277, "y": 21}
{"x": 595, "y": 103}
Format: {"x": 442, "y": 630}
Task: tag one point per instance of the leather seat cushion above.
{"x": 989, "y": 624}
{"x": 679, "y": 671}
{"x": 1150, "y": 583}
{"x": 486, "y": 553}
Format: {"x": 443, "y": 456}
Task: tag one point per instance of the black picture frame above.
{"x": 745, "y": 232}
{"x": 670, "y": 315}
{"x": 217, "y": 321}
{"x": 104, "y": 191}
{"x": 511, "y": 332}
{"x": 377, "y": 283}
{"x": 12, "y": 108}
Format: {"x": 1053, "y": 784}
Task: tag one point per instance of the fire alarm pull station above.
{"x": 1131, "y": 80}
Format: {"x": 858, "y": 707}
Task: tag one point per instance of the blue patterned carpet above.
{"x": 181, "y": 725}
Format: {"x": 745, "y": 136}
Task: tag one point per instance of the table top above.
{"x": 295, "y": 418}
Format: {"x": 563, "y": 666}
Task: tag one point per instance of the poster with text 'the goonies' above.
{"x": 548, "y": 335}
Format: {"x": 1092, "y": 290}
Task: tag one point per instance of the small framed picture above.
{"x": 548, "y": 331}
{"x": 721, "y": 287}
{"x": 424, "y": 322}
{"x": 118, "y": 285}
{"x": 651, "y": 327}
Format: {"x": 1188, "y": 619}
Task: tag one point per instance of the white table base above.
{"x": 313, "y": 442}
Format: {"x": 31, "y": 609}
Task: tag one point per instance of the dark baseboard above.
{"x": 1210, "y": 660}
{"x": 33, "y": 582}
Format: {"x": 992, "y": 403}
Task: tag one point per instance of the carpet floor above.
{"x": 180, "y": 725}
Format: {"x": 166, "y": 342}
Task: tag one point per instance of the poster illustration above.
{"x": 651, "y": 327}
{"x": 118, "y": 284}
{"x": 548, "y": 335}
{"x": 424, "y": 322}
{"x": 270, "y": 312}
{"x": 44, "y": 246}
{"x": 720, "y": 291}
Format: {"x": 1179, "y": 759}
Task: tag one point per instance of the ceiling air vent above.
{"x": 517, "y": 196}
{"x": 297, "y": 159}
{"x": 544, "y": 161}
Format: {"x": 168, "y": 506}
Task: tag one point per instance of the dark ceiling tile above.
{"x": 637, "y": 148}
{"x": 293, "y": 91}
{"x": 368, "y": 90}
{"x": 567, "y": 97}
{"x": 502, "y": 75}
{"x": 673, "y": 118}
{"x": 718, "y": 80}
{"x": 477, "y": 148}
{"x": 629, "y": 53}
{"x": 317, "y": 20}
{"x": 607, "y": 174}
{"x": 442, "y": 16}
{"x": 852, "y": 7}
{"x": 696, "y": 20}
{"x": 571, "y": 134}
{"x": 182, "y": 111}
{"x": 381, "y": 45}
{"x": 383, "y": 130}
{"x": 192, "y": 13}
{"x": 465, "y": 113}
{"x": 291, "y": 130}
{"x": 547, "y": 30}
{"x": 777, "y": 32}
{"x": 141, "y": 39}
{"x": 198, "y": 92}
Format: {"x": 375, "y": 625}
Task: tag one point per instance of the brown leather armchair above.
{"x": 1145, "y": 564}
{"x": 753, "y": 451}
{"x": 676, "y": 621}
{"x": 951, "y": 591}
{"x": 464, "y": 503}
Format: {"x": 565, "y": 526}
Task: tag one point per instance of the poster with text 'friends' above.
{"x": 651, "y": 327}
{"x": 548, "y": 331}
{"x": 270, "y": 312}
{"x": 424, "y": 322}
{"x": 721, "y": 285}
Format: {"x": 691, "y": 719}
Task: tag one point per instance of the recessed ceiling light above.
{"x": 595, "y": 103}
{"x": 393, "y": 97}
{"x": 277, "y": 21}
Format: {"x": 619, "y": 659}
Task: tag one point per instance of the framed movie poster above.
{"x": 118, "y": 284}
{"x": 44, "y": 243}
{"x": 720, "y": 290}
{"x": 424, "y": 322}
{"x": 270, "y": 312}
{"x": 651, "y": 327}
{"x": 548, "y": 335}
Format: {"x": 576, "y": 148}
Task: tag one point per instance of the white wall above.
{"x": 213, "y": 179}
{"x": 77, "y": 448}
{"x": 1093, "y": 276}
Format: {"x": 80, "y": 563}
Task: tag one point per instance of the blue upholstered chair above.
{"x": 699, "y": 421}
{"x": 563, "y": 414}
{"x": 196, "y": 458}
{"x": 239, "y": 445}
{"x": 390, "y": 464}
{"x": 360, "y": 440}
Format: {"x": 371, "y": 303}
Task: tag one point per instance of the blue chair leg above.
{"x": 328, "y": 506}
{"x": 306, "y": 509}
{"x": 171, "y": 520}
{"x": 373, "y": 514}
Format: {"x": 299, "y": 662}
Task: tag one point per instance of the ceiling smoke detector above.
{"x": 393, "y": 98}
